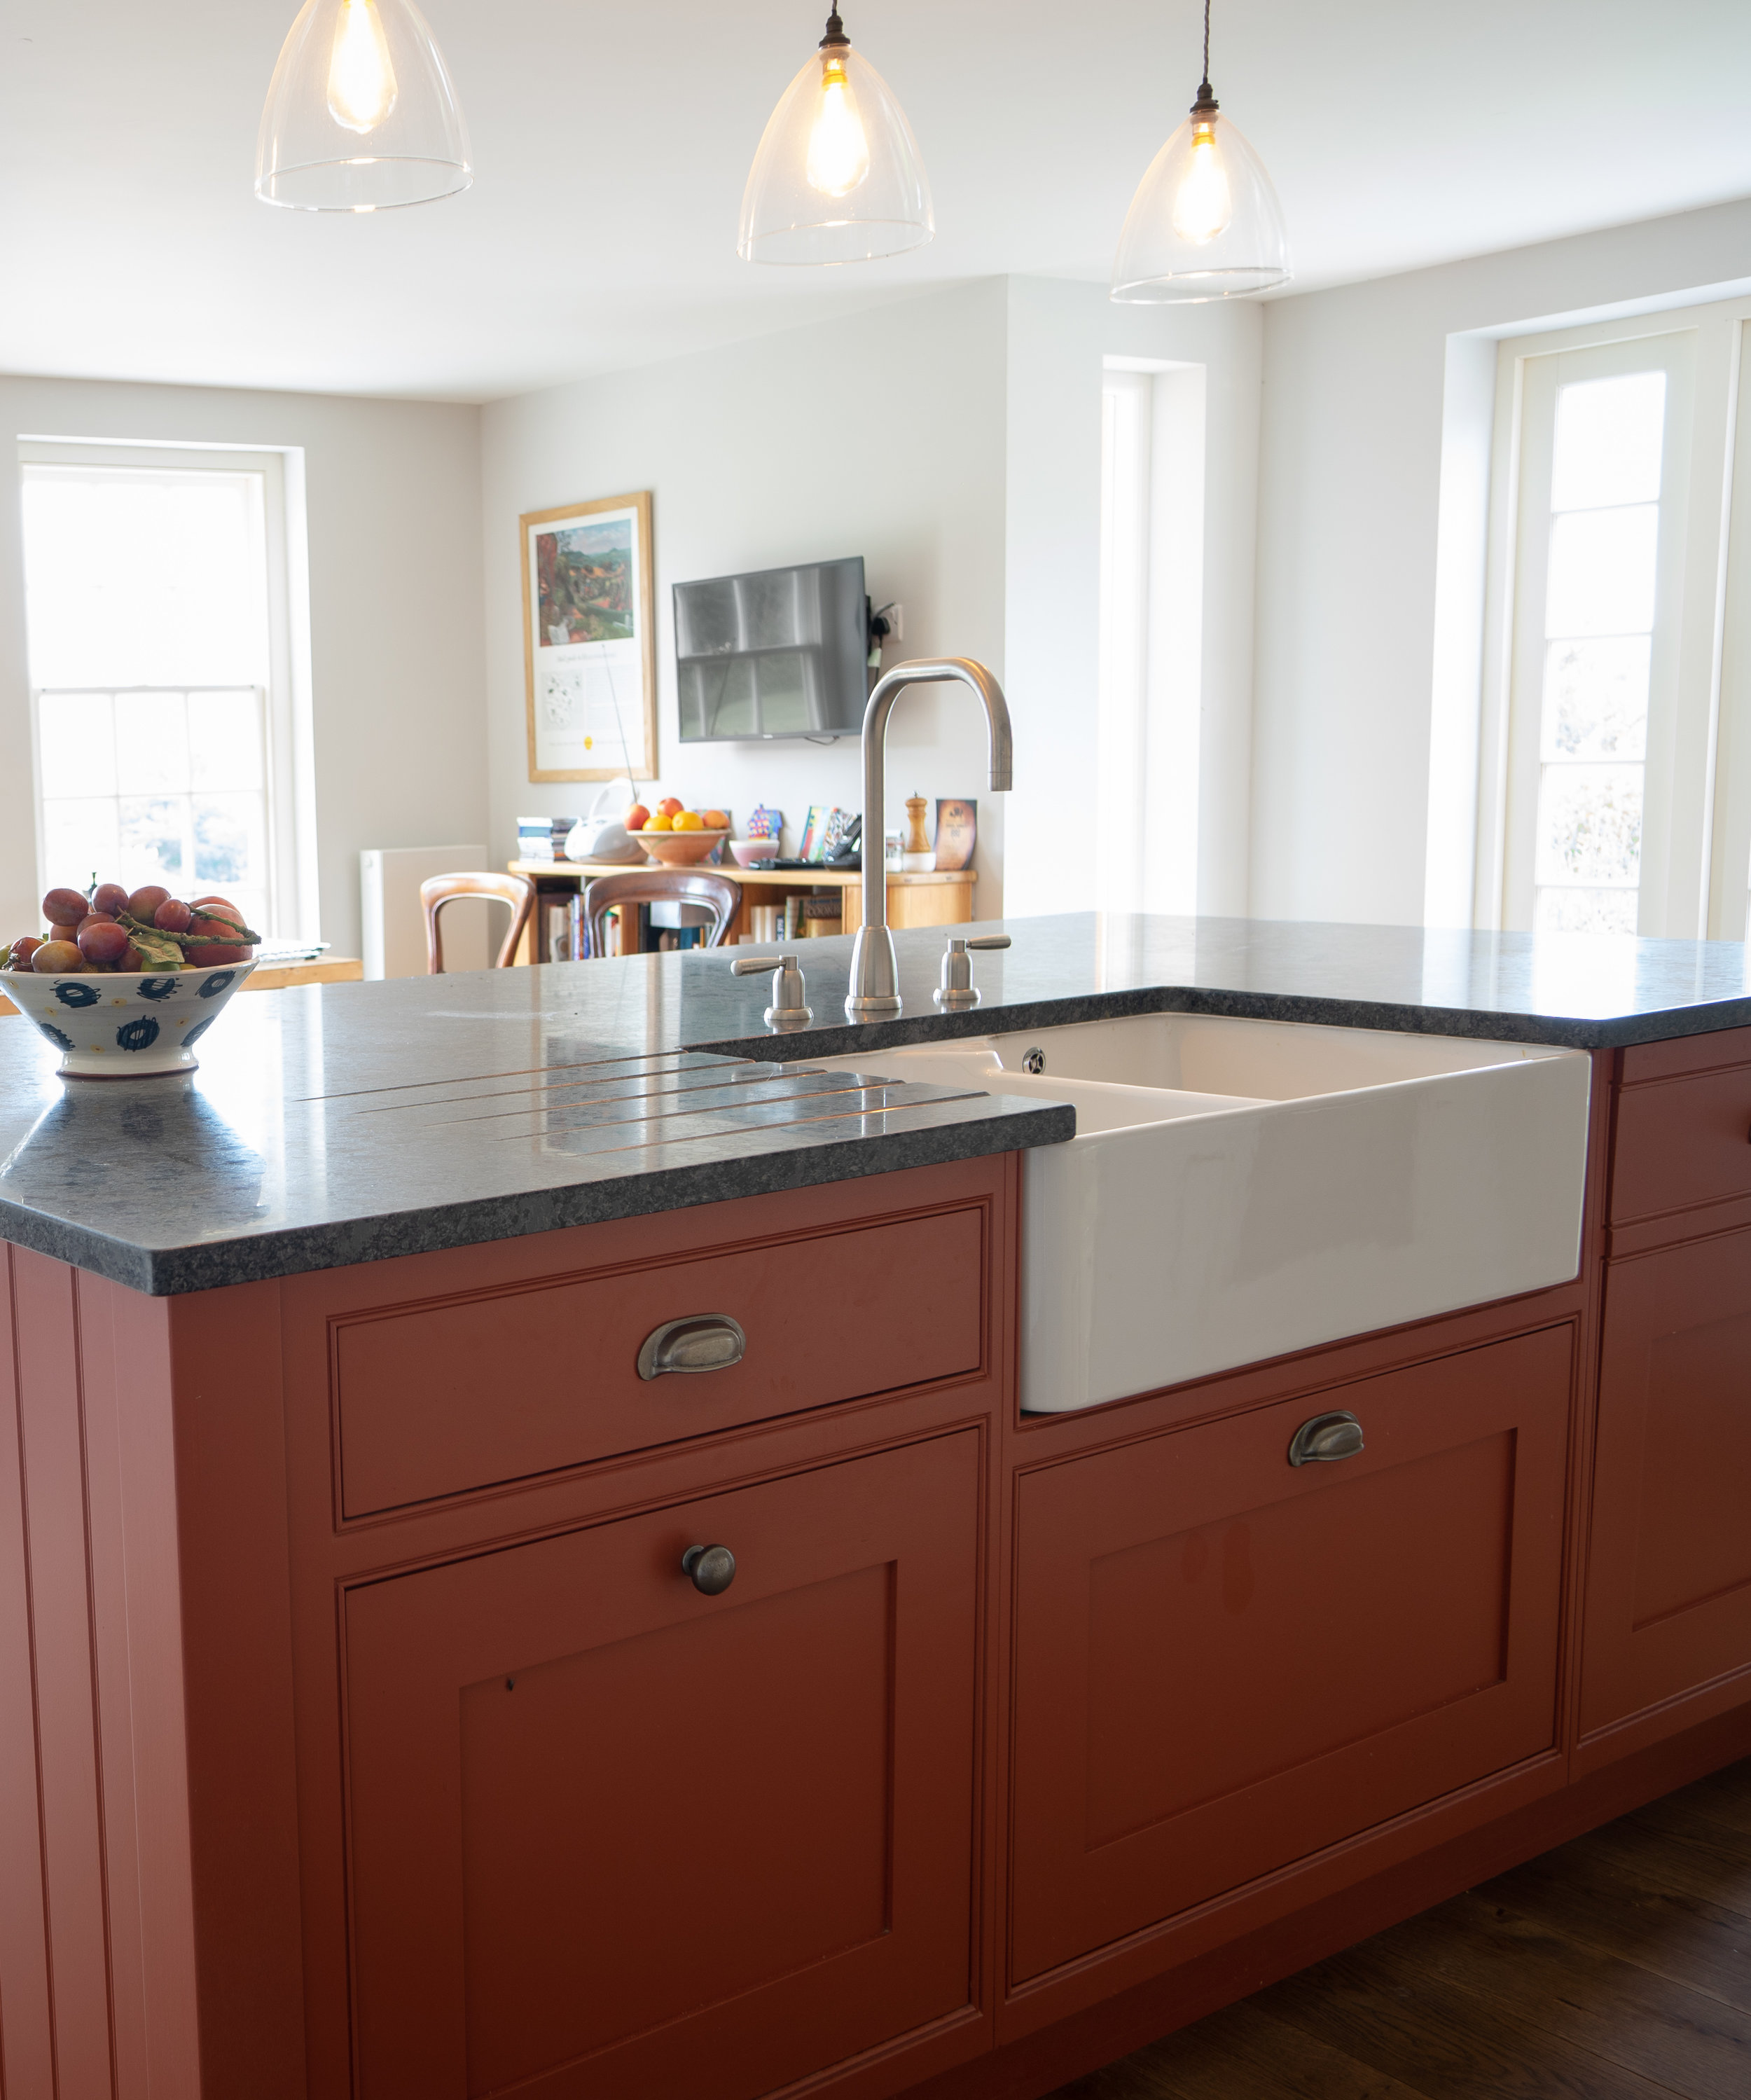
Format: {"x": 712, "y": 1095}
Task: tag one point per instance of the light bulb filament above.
{"x": 1203, "y": 207}
{"x": 839, "y": 153}
{"x": 361, "y": 80}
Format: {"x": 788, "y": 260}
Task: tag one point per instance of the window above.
{"x": 1151, "y": 681}
{"x": 1611, "y": 782}
{"x": 167, "y": 746}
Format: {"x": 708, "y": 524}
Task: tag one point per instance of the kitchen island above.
{"x": 369, "y": 1722}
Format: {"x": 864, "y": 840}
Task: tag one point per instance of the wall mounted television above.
{"x": 778, "y": 652}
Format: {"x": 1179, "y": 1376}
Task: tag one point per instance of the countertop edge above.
{"x": 269, "y": 1257}
{"x": 1552, "y": 1031}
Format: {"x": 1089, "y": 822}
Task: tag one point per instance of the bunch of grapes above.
{"x": 109, "y": 929}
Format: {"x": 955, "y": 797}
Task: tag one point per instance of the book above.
{"x": 813, "y": 846}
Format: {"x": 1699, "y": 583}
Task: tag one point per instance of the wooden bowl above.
{"x": 677, "y": 849}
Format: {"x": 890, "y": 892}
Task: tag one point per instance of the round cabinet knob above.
{"x": 710, "y": 1568}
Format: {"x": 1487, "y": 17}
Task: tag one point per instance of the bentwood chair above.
{"x": 661, "y": 885}
{"x": 438, "y": 890}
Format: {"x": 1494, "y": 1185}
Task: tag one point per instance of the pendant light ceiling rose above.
{"x": 837, "y": 177}
{"x": 1205, "y": 222}
{"x": 361, "y": 114}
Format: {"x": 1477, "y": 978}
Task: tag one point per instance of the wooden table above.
{"x": 275, "y": 976}
{"x": 944, "y": 899}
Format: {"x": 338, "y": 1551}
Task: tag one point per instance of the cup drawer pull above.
{"x": 703, "y": 1342}
{"x": 1326, "y": 1438}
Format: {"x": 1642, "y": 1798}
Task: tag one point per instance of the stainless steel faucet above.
{"x": 874, "y": 976}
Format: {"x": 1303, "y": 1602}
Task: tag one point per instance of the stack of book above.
{"x": 543, "y": 838}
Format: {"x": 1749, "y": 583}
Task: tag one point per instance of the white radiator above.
{"x": 394, "y": 924}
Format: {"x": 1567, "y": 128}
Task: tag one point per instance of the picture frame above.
{"x": 589, "y": 639}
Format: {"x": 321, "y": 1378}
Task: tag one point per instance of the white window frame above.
{"x": 1697, "y": 810}
{"x": 289, "y": 740}
{"x": 1148, "y": 723}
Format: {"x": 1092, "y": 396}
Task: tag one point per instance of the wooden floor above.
{"x": 1616, "y": 1968}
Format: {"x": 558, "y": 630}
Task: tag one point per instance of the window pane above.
{"x": 1587, "y": 911}
{"x": 151, "y": 743}
{"x": 1602, "y": 572}
{"x": 1610, "y": 434}
{"x": 1595, "y": 699}
{"x": 154, "y": 846}
{"x": 1590, "y": 825}
{"x": 78, "y": 841}
{"x": 229, "y": 848}
{"x": 143, "y": 577}
{"x": 225, "y": 740}
{"x": 76, "y": 737}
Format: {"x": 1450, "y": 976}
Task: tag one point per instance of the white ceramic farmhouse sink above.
{"x": 1238, "y": 1189}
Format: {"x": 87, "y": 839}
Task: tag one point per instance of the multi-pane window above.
{"x": 1599, "y": 622}
{"x": 153, "y": 665}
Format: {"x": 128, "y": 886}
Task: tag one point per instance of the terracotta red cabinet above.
{"x": 1668, "y": 1580}
{"x": 611, "y": 1837}
{"x": 1224, "y": 1661}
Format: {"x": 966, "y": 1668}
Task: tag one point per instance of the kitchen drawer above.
{"x": 612, "y": 1839}
{"x": 443, "y": 1398}
{"x": 1681, "y": 1142}
{"x": 1225, "y": 1662}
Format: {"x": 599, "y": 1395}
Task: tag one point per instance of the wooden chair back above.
{"x": 662, "y": 885}
{"x": 438, "y": 890}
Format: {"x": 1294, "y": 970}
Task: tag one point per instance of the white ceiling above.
{"x": 611, "y": 138}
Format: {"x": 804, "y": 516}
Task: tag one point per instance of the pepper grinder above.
{"x": 917, "y": 856}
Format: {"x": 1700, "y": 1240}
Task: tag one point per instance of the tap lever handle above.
{"x": 990, "y": 941}
{"x": 789, "y": 1008}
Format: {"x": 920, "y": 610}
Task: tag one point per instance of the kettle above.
{"x": 602, "y": 835}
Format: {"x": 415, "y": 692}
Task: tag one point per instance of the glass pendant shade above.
{"x": 838, "y": 177}
{"x": 361, "y": 115}
{"x": 1205, "y": 222}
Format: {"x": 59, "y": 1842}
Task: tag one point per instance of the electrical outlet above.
{"x": 895, "y": 616}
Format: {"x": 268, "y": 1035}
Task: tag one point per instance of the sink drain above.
{"x": 1035, "y": 1062}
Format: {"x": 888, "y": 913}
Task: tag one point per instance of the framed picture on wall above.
{"x": 589, "y": 639}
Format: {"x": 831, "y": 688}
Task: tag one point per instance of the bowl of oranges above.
{"x": 674, "y": 836}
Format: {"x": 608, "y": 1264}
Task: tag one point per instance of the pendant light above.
{"x": 361, "y": 115}
{"x": 837, "y": 178}
{"x": 1205, "y": 222}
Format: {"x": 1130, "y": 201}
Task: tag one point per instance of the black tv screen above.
{"x": 779, "y": 652}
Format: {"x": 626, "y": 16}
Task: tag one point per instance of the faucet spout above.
{"x": 875, "y": 973}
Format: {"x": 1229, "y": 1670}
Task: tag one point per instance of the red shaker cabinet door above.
{"x": 1669, "y": 1568}
{"x": 1225, "y": 1662}
{"x": 613, "y": 1839}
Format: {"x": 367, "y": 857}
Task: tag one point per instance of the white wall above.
{"x": 1357, "y": 383}
{"x": 397, "y": 663}
{"x": 881, "y": 436}
{"x": 961, "y": 457}
{"x": 1059, "y": 335}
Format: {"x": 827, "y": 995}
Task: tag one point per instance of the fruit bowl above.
{"x": 125, "y": 1025}
{"x": 677, "y": 849}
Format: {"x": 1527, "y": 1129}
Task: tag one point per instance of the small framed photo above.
{"x": 957, "y": 834}
{"x": 589, "y": 639}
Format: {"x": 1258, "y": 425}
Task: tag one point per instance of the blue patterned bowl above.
{"x": 129, "y": 1026}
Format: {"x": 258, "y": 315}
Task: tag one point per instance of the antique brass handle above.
{"x": 1326, "y": 1438}
{"x": 702, "y": 1342}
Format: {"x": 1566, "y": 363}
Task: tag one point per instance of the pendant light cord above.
{"x": 1207, "y": 104}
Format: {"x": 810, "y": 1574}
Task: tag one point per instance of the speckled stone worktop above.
{"x": 342, "y": 1123}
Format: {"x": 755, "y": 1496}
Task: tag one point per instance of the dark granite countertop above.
{"x": 344, "y": 1123}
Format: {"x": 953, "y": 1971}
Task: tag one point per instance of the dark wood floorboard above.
{"x": 1615, "y": 1968}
